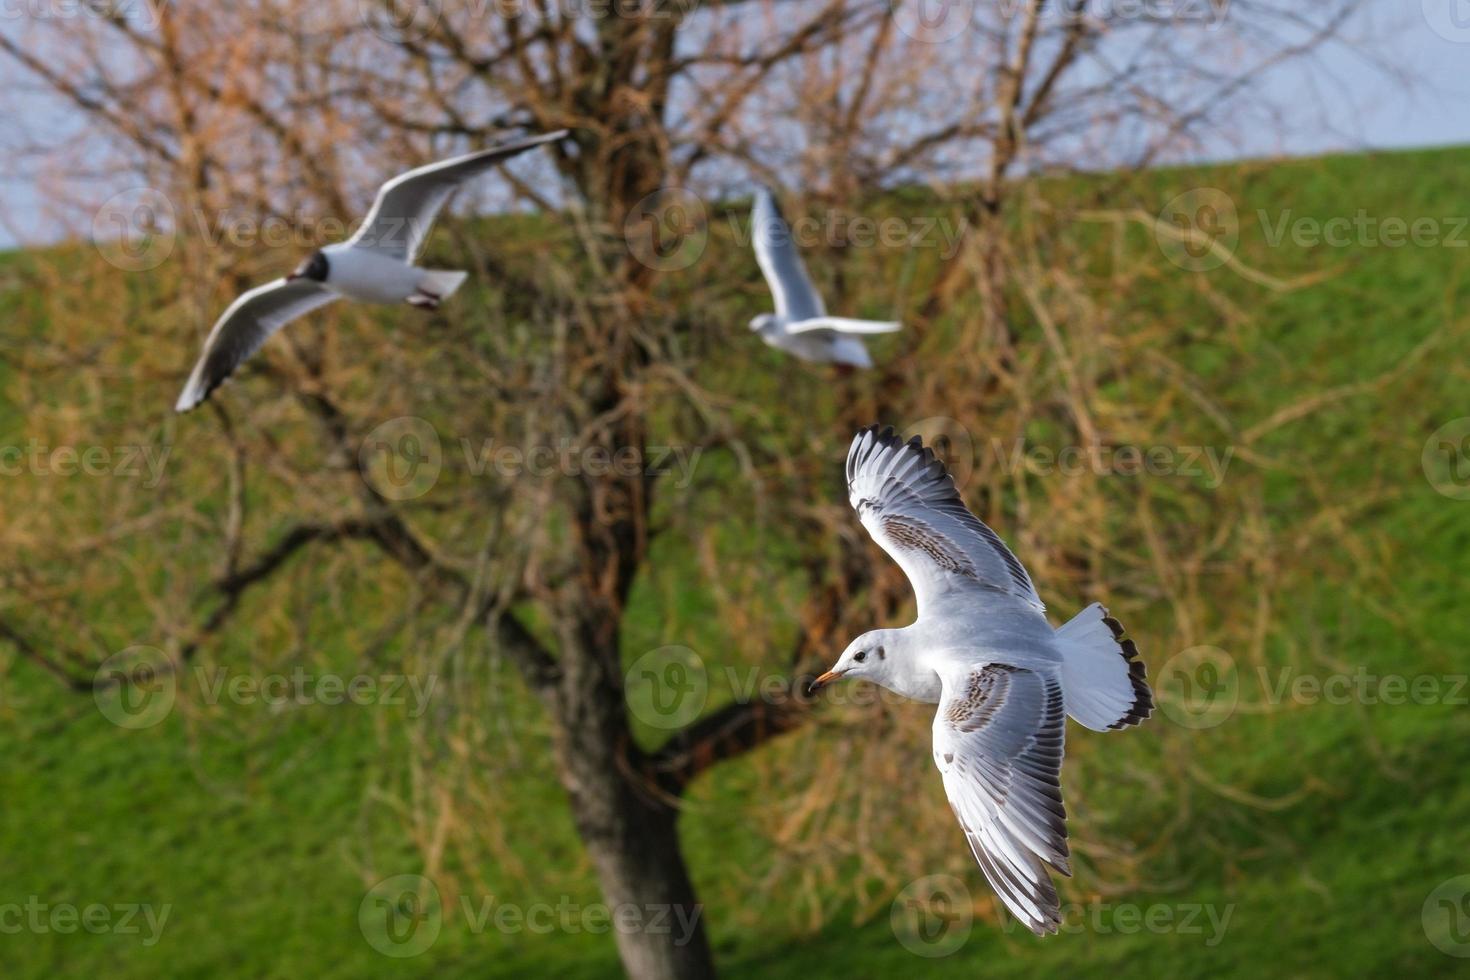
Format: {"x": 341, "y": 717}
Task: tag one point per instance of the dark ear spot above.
{"x": 881, "y": 654}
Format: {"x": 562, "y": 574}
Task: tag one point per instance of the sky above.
{"x": 1340, "y": 104}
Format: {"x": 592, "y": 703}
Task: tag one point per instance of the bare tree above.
{"x": 292, "y": 112}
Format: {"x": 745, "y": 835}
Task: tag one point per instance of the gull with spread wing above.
{"x": 983, "y": 650}
{"x": 374, "y": 266}
{"x": 800, "y": 326}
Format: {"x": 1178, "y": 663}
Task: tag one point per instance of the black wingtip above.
{"x": 885, "y": 434}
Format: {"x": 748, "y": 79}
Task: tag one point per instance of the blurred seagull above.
{"x": 375, "y": 266}
{"x": 982, "y": 650}
{"x": 800, "y": 326}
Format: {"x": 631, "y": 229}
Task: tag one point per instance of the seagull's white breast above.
{"x": 360, "y": 274}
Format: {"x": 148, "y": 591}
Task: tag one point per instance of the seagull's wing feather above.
{"x": 776, "y": 254}
{"x": 998, "y": 739}
{"x": 406, "y": 206}
{"x": 841, "y": 324}
{"x": 247, "y": 324}
{"x": 908, "y": 502}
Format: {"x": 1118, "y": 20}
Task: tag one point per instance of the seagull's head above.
{"x": 314, "y": 268}
{"x": 763, "y": 322}
{"x": 867, "y": 657}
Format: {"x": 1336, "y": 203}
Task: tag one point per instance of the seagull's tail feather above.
{"x": 851, "y": 352}
{"x": 441, "y": 284}
{"x": 1102, "y": 680}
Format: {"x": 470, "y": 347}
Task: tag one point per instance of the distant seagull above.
{"x": 375, "y": 266}
{"x": 982, "y": 650}
{"x": 800, "y": 326}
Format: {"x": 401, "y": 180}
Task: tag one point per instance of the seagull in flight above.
{"x": 800, "y": 326}
{"x": 375, "y": 266}
{"x": 982, "y": 649}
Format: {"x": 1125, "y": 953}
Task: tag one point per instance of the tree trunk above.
{"x": 628, "y": 824}
{"x": 635, "y": 849}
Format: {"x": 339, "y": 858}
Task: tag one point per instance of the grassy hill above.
{"x": 1303, "y": 835}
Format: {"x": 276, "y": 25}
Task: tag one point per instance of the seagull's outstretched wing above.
{"x": 842, "y": 324}
{"x": 246, "y": 325}
{"x": 908, "y": 502}
{"x": 998, "y": 744}
{"x": 780, "y": 263}
{"x": 406, "y": 207}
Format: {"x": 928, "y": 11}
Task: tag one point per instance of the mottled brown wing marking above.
{"x": 915, "y": 535}
{"x": 985, "y": 696}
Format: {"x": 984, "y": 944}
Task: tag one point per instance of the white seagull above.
{"x": 375, "y": 266}
{"x": 800, "y": 326}
{"x": 982, "y": 650}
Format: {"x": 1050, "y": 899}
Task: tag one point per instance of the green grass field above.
{"x": 261, "y": 829}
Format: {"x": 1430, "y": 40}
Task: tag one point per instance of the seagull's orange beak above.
{"x": 823, "y": 681}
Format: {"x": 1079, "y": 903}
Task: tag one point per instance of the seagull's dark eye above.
{"x": 861, "y": 656}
